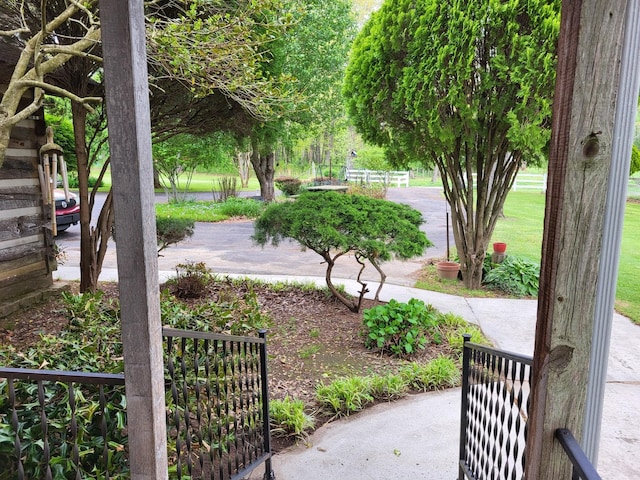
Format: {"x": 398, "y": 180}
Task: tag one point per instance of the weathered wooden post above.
{"x": 586, "y": 95}
{"x": 123, "y": 40}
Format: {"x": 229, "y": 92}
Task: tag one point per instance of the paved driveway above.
{"x": 227, "y": 247}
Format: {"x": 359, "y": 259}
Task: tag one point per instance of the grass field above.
{"x": 522, "y": 227}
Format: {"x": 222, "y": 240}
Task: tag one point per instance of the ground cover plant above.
{"x": 210, "y": 211}
{"x": 319, "y": 365}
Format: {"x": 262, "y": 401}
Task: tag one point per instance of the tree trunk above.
{"x": 243, "y": 160}
{"x": 264, "y": 167}
{"x": 88, "y": 278}
{"x": 93, "y": 241}
{"x": 5, "y": 135}
{"x": 475, "y": 210}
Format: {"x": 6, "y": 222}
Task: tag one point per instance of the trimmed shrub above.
{"x": 170, "y": 231}
{"x": 288, "y": 185}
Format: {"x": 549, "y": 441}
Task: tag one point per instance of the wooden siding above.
{"x": 26, "y": 244}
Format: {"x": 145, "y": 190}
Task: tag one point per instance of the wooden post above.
{"x": 626, "y": 109}
{"x": 589, "y": 54}
{"x": 123, "y": 41}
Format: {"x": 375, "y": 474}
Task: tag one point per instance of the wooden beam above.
{"x": 589, "y": 52}
{"x": 127, "y": 95}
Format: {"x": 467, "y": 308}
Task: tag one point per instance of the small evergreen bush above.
{"x": 288, "y": 185}
{"x": 170, "y": 231}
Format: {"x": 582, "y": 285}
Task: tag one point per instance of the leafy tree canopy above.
{"x": 333, "y": 224}
{"x": 466, "y": 86}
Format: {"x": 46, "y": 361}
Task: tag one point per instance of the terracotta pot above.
{"x": 499, "y": 247}
{"x": 448, "y": 270}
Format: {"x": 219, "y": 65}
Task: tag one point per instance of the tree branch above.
{"x": 14, "y": 32}
{"x": 61, "y": 92}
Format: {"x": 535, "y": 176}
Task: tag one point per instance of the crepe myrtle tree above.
{"x": 334, "y": 224}
{"x": 465, "y": 86}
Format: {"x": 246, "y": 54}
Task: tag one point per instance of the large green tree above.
{"x": 206, "y": 64}
{"x": 466, "y": 86}
{"x": 333, "y": 225}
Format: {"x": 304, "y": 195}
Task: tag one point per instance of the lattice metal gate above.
{"x": 494, "y": 413}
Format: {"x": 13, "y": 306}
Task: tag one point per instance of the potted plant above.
{"x": 499, "y": 247}
{"x": 448, "y": 270}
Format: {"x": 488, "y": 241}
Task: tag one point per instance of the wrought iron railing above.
{"x": 495, "y": 403}
{"x": 61, "y": 424}
{"x": 73, "y": 424}
{"x": 218, "y": 410}
{"x": 583, "y": 469}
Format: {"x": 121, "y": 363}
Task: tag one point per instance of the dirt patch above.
{"x": 313, "y": 339}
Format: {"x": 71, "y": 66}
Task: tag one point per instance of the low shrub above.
{"x": 288, "y": 185}
{"x": 441, "y": 372}
{"x": 400, "y": 328}
{"x": 388, "y": 387}
{"x": 288, "y": 417}
{"x": 346, "y": 395}
{"x": 191, "y": 280}
{"x": 373, "y": 190}
{"x": 456, "y": 340}
{"x": 514, "y": 276}
{"x": 170, "y": 231}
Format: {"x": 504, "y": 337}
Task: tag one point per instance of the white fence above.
{"x": 399, "y": 178}
{"x": 530, "y": 181}
{"x": 526, "y": 181}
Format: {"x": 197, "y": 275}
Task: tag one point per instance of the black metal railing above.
{"x": 73, "y": 424}
{"x": 494, "y": 413}
{"x": 47, "y": 417}
{"x": 218, "y": 410}
{"x": 583, "y": 469}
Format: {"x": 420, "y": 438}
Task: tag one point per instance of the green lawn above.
{"x": 522, "y": 227}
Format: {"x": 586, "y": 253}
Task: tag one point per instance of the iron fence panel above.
{"x": 494, "y": 413}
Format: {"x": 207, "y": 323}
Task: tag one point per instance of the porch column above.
{"x": 123, "y": 40}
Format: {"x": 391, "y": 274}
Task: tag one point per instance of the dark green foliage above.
{"x": 515, "y": 276}
{"x": 635, "y": 160}
{"x": 73, "y": 181}
{"x": 91, "y": 343}
{"x": 170, "y": 231}
{"x": 288, "y": 185}
{"x": 333, "y": 224}
{"x": 63, "y": 136}
{"x": 400, "y": 328}
{"x": 326, "y": 221}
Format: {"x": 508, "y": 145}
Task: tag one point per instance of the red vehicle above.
{"x": 67, "y": 212}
